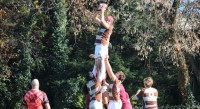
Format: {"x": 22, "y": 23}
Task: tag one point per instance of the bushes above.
{"x": 181, "y": 107}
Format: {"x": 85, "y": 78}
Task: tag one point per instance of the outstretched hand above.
{"x": 91, "y": 55}
{"x": 103, "y": 7}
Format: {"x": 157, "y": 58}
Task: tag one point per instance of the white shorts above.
{"x": 100, "y": 51}
{"x": 115, "y": 104}
{"x": 94, "y": 104}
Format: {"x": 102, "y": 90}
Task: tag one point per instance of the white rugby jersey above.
{"x": 149, "y": 97}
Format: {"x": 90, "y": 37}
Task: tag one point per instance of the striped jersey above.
{"x": 92, "y": 89}
{"x": 103, "y": 35}
{"x": 35, "y": 99}
{"x": 149, "y": 96}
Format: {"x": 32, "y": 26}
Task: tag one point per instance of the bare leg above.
{"x": 98, "y": 70}
{"x": 105, "y": 99}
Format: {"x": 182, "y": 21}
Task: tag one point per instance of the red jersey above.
{"x": 35, "y": 99}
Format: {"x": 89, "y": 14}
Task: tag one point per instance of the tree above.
{"x": 57, "y": 55}
{"x": 19, "y": 59}
{"x": 152, "y": 26}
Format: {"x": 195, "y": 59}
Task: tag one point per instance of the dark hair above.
{"x": 102, "y": 1}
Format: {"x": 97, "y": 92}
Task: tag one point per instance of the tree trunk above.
{"x": 195, "y": 80}
{"x": 183, "y": 76}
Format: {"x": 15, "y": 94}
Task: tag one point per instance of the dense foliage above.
{"x": 51, "y": 40}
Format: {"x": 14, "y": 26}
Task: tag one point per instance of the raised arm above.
{"x": 102, "y": 18}
{"x": 109, "y": 69}
{"x": 139, "y": 94}
{"x": 97, "y": 17}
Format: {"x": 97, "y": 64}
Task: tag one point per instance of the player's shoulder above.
{"x": 154, "y": 89}
{"x": 29, "y": 92}
{"x": 42, "y": 91}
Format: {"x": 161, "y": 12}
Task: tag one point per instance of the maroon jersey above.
{"x": 124, "y": 98}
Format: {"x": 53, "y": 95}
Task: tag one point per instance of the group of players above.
{"x": 99, "y": 93}
{"x": 112, "y": 95}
